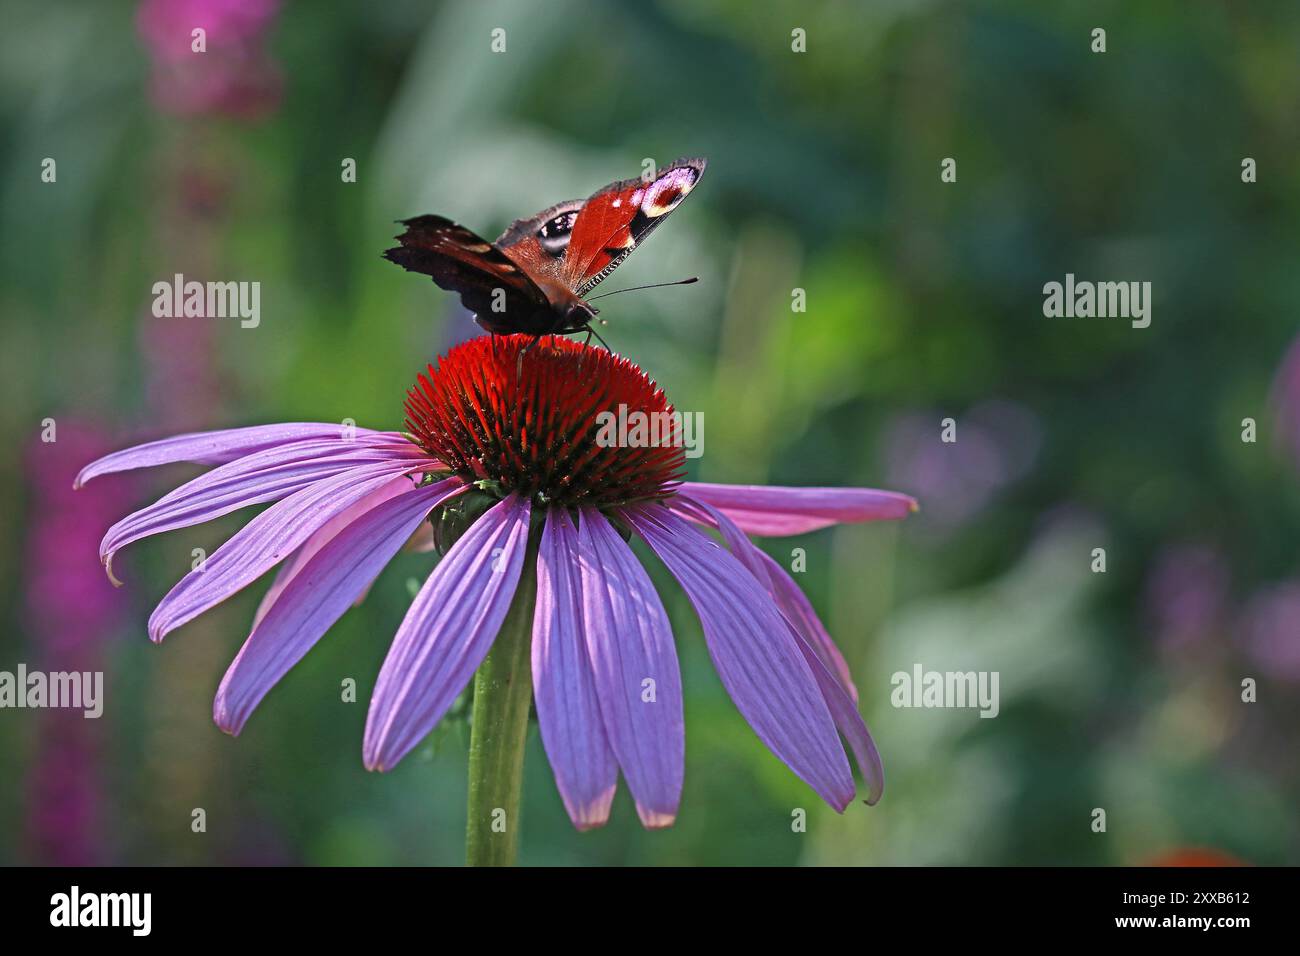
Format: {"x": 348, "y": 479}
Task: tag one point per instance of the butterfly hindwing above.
{"x": 616, "y": 219}
{"x": 461, "y": 261}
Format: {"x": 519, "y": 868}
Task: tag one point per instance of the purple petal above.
{"x": 799, "y": 612}
{"x": 219, "y": 447}
{"x": 773, "y": 511}
{"x": 317, "y": 597}
{"x": 266, "y": 540}
{"x": 844, "y": 712}
{"x": 755, "y": 652}
{"x": 564, "y": 688}
{"x": 774, "y": 579}
{"x": 447, "y": 632}
{"x": 322, "y": 536}
{"x": 828, "y": 665}
{"x": 262, "y": 476}
{"x": 629, "y": 642}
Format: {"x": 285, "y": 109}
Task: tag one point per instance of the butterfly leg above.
{"x": 519, "y": 361}
{"x": 585, "y": 343}
{"x": 591, "y": 332}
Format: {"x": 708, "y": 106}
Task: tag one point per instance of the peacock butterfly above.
{"x": 534, "y": 278}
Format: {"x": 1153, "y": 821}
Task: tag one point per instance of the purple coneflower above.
{"x": 502, "y": 464}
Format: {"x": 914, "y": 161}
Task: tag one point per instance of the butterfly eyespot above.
{"x": 561, "y": 225}
{"x": 554, "y": 234}
{"x": 664, "y": 194}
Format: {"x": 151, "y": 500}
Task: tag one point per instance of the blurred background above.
{"x": 1120, "y": 690}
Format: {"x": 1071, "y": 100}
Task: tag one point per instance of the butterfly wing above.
{"x": 460, "y": 261}
{"x": 545, "y": 234}
{"x": 616, "y": 219}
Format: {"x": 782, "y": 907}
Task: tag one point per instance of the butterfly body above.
{"x": 533, "y": 279}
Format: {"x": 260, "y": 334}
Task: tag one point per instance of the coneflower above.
{"x": 501, "y": 463}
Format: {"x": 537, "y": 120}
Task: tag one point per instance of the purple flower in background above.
{"x": 504, "y": 455}
{"x": 995, "y": 444}
{"x": 70, "y": 614}
{"x": 1269, "y": 631}
{"x": 231, "y": 76}
{"x": 1187, "y": 597}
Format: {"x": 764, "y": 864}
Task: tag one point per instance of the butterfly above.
{"x": 536, "y": 275}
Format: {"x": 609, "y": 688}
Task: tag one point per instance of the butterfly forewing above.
{"x": 615, "y": 220}
{"x": 550, "y": 229}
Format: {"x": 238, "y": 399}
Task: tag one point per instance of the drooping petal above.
{"x": 755, "y": 652}
{"x": 322, "y": 536}
{"x": 219, "y": 447}
{"x": 848, "y": 721}
{"x": 638, "y": 682}
{"x": 317, "y": 597}
{"x": 267, "y": 540}
{"x": 564, "y": 687}
{"x": 262, "y": 476}
{"x": 827, "y": 663}
{"x": 447, "y": 632}
{"x": 774, "y": 511}
{"x": 795, "y": 605}
{"x": 789, "y": 598}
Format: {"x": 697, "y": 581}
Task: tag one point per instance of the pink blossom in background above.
{"x": 1270, "y": 630}
{"x": 234, "y": 77}
{"x": 71, "y": 612}
{"x": 181, "y": 382}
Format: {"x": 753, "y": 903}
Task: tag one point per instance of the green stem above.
{"x": 503, "y": 693}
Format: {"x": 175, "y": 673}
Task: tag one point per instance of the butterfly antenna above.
{"x": 655, "y": 285}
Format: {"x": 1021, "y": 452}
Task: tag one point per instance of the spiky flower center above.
{"x": 550, "y": 425}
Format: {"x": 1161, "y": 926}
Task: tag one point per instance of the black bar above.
{"x": 440, "y": 906}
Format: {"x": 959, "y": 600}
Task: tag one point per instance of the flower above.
{"x": 999, "y": 444}
{"x": 1187, "y": 597}
{"x": 1267, "y": 630}
{"x": 71, "y": 616}
{"x": 502, "y": 448}
{"x": 231, "y": 76}
{"x": 1195, "y": 856}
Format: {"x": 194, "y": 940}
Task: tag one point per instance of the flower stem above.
{"x": 503, "y": 693}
